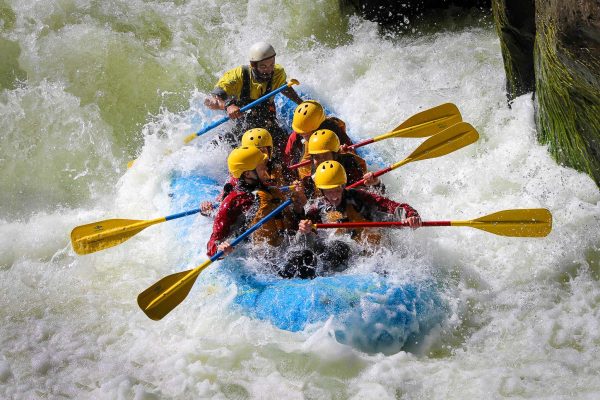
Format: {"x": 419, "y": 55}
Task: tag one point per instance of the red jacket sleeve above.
{"x": 230, "y": 214}
{"x": 288, "y": 154}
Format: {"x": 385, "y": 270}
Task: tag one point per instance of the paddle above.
{"x": 243, "y": 109}
{"x": 101, "y": 235}
{"x": 207, "y": 128}
{"x": 449, "y": 140}
{"x": 533, "y": 222}
{"x": 162, "y": 297}
{"x": 424, "y": 124}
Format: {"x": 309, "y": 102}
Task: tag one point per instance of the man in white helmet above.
{"x": 244, "y": 84}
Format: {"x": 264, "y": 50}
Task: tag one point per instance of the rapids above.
{"x": 87, "y": 85}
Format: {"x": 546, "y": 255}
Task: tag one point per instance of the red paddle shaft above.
{"x": 398, "y": 224}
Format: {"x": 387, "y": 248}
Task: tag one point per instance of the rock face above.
{"x": 552, "y": 47}
{"x": 399, "y": 13}
{"x": 567, "y": 80}
{"x": 515, "y": 25}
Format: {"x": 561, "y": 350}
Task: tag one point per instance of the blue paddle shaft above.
{"x": 244, "y": 235}
{"x": 216, "y": 205}
{"x": 182, "y": 214}
{"x": 243, "y": 109}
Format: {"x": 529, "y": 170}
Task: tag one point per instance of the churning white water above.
{"x": 99, "y": 82}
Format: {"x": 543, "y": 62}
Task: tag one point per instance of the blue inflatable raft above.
{"x": 368, "y": 312}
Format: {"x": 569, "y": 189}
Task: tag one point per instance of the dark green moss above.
{"x": 568, "y": 98}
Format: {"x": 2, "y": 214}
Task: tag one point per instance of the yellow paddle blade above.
{"x": 162, "y": 297}
{"x": 101, "y": 235}
{"x": 426, "y": 123}
{"x": 532, "y": 222}
{"x": 130, "y": 164}
{"x": 189, "y": 138}
{"x": 449, "y": 140}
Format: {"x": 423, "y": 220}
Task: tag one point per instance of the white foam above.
{"x": 523, "y": 316}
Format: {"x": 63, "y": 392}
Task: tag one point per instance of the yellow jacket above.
{"x": 231, "y": 82}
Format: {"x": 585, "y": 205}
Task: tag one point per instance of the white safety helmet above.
{"x": 261, "y": 51}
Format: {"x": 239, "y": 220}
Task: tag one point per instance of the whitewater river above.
{"x": 87, "y": 85}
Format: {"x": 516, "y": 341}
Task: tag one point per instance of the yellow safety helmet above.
{"x": 258, "y": 137}
{"x": 323, "y": 141}
{"x": 243, "y": 159}
{"x": 308, "y": 116}
{"x": 330, "y": 175}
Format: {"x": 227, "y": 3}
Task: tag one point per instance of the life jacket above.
{"x": 349, "y": 213}
{"x": 271, "y": 232}
{"x": 276, "y": 173}
{"x": 262, "y": 115}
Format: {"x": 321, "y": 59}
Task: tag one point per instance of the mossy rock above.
{"x": 567, "y": 68}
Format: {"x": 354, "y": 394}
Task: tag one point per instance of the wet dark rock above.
{"x": 515, "y": 25}
{"x": 400, "y": 14}
{"x": 550, "y": 47}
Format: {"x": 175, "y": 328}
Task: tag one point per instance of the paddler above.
{"x": 261, "y": 139}
{"x": 244, "y": 84}
{"x": 251, "y": 199}
{"x": 324, "y": 145}
{"x": 338, "y": 204}
{"x": 308, "y": 117}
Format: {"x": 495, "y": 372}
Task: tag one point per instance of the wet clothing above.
{"x": 354, "y": 166}
{"x": 359, "y": 206}
{"x": 243, "y": 207}
{"x": 246, "y": 205}
{"x": 238, "y": 86}
{"x": 277, "y": 180}
{"x": 306, "y": 264}
{"x": 296, "y": 149}
{"x": 332, "y": 256}
{"x": 298, "y": 264}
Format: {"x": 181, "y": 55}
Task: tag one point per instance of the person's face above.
{"x": 319, "y": 158}
{"x": 262, "y": 173}
{"x": 266, "y": 67}
{"x": 333, "y": 196}
{"x": 250, "y": 177}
